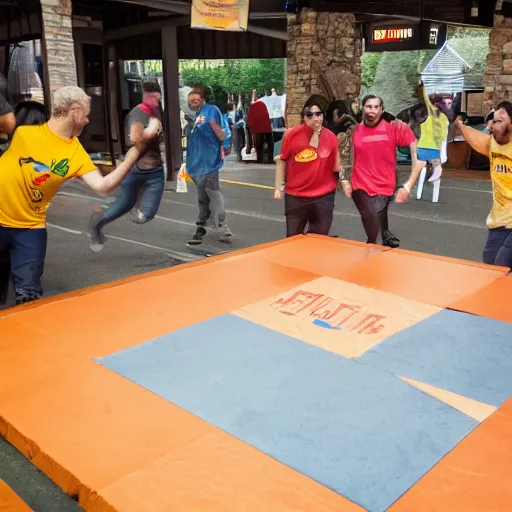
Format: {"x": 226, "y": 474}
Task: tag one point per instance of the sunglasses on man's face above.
{"x": 313, "y": 114}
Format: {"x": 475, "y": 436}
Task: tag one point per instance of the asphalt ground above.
{"x": 453, "y": 227}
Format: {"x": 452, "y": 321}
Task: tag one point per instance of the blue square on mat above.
{"x": 466, "y": 354}
{"x": 363, "y": 433}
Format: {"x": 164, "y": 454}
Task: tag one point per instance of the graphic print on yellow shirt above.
{"x": 32, "y": 170}
{"x": 501, "y": 175}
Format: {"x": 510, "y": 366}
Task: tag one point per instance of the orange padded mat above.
{"x": 10, "y": 501}
{"x": 120, "y": 446}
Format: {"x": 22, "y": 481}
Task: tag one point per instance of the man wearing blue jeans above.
{"x": 7, "y": 125}
{"x": 40, "y": 158}
{"x": 204, "y": 161}
{"x": 145, "y": 181}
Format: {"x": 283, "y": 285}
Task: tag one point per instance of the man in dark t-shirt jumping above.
{"x": 145, "y": 182}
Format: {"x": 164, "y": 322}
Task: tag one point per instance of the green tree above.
{"x": 369, "y": 64}
{"x": 455, "y": 32}
{"x": 235, "y": 77}
{"x": 397, "y": 76}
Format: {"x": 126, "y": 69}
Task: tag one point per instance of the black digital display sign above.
{"x": 400, "y": 36}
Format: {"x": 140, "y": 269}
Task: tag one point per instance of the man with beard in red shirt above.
{"x": 373, "y": 180}
{"x": 308, "y": 168}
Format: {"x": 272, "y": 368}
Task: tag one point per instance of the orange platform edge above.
{"x": 117, "y": 445}
{"x": 10, "y": 501}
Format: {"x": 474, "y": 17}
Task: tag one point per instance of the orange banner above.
{"x": 230, "y": 15}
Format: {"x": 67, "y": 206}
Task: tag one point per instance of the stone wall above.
{"x": 324, "y": 57}
{"x": 59, "y": 56}
{"x": 498, "y": 76}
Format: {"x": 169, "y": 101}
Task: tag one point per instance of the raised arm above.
{"x": 430, "y": 108}
{"x": 479, "y": 141}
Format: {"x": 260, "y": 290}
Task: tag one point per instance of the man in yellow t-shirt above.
{"x": 38, "y": 161}
{"x": 7, "y": 125}
{"x": 498, "y": 147}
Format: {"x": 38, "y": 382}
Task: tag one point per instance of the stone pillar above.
{"x": 498, "y": 75}
{"x": 58, "y": 46}
{"x": 324, "y": 57}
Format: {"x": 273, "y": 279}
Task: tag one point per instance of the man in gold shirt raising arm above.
{"x": 498, "y": 147}
{"x": 38, "y": 161}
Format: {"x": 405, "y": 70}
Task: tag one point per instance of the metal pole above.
{"x": 172, "y": 124}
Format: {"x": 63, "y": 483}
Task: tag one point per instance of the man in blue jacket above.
{"x": 204, "y": 161}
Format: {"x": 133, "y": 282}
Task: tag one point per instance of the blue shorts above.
{"x": 427, "y": 155}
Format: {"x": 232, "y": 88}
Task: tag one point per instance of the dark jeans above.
{"x": 498, "y": 248}
{"x": 374, "y": 213}
{"x": 210, "y": 199}
{"x": 152, "y": 184}
{"x": 22, "y": 254}
{"x": 316, "y": 211}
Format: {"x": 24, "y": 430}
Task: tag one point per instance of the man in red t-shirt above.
{"x": 308, "y": 168}
{"x": 373, "y": 180}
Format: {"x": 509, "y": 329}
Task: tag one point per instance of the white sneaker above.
{"x": 225, "y": 234}
{"x": 137, "y": 216}
{"x": 95, "y": 233}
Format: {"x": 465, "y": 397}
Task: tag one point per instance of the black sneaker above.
{"x": 197, "y": 239}
{"x": 390, "y": 240}
{"x": 95, "y": 233}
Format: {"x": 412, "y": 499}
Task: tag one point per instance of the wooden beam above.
{"x": 164, "y": 5}
{"x": 385, "y": 8}
{"x": 145, "y": 28}
{"x": 267, "y": 32}
{"x": 172, "y": 123}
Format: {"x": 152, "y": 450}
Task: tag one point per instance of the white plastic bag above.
{"x": 181, "y": 185}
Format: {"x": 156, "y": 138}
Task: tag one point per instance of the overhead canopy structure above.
{"x": 267, "y": 29}
{"x": 136, "y": 27}
{"x": 469, "y": 12}
{"x": 20, "y": 20}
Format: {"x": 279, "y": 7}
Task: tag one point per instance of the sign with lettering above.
{"x": 232, "y": 15}
{"x": 387, "y": 37}
{"x": 337, "y": 316}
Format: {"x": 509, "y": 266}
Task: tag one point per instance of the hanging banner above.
{"x": 230, "y": 15}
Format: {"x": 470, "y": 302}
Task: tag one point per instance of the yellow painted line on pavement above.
{"x": 244, "y": 184}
